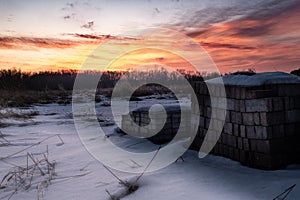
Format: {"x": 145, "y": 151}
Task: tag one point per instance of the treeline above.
{"x": 64, "y": 80}
{"x": 296, "y": 72}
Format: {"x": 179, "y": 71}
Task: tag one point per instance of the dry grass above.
{"x": 37, "y": 173}
{"x": 130, "y": 186}
{"x": 3, "y": 140}
{"x": 10, "y": 113}
{"x": 23, "y": 98}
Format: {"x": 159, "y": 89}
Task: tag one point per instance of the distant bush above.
{"x": 296, "y": 72}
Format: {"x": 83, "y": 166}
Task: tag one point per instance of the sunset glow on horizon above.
{"x": 56, "y": 35}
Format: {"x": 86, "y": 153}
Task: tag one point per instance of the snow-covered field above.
{"x": 79, "y": 176}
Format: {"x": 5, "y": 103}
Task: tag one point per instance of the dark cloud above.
{"x": 88, "y": 25}
{"x": 34, "y": 43}
{"x": 100, "y": 37}
{"x": 70, "y": 16}
{"x": 68, "y": 6}
{"x": 254, "y": 31}
{"x": 271, "y": 8}
{"x": 196, "y": 33}
{"x": 262, "y": 11}
{"x": 89, "y": 36}
{"x": 67, "y": 17}
{"x": 30, "y": 43}
{"x": 228, "y": 46}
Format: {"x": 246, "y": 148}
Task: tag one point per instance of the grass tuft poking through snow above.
{"x": 130, "y": 185}
{"x": 37, "y": 173}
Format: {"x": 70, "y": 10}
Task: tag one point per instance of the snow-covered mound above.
{"x": 255, "y": 79}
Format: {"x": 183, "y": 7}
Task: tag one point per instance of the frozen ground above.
{"x": 80, "y": 176}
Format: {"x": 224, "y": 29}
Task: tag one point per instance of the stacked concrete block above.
{"x": 261, "y": 127}
{"x": 141, "y": 118}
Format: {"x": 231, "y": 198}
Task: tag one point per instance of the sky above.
{"x": 39, "y": 35}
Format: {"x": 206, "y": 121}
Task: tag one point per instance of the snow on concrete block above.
{"x": 266, "y": 78}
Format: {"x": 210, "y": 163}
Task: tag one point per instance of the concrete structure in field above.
{"x": 262, "y": 122}
{"x": 141, "y": 117}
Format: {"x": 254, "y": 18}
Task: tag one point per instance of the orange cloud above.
{"x": 266, "y": 38}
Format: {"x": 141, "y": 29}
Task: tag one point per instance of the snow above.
{"x": 80, "y": 176}
{"x": 167, "y": 108}
{"x": 266, "y": 78}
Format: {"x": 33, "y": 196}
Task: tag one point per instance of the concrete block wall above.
{"x": 141, "y": 118}
{"x": 261, "y": 127}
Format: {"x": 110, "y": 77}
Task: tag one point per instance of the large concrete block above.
{"x": 256, "y": 118}
{"x": 261, "y": 132}
{"x": 264, "y": 161}
{"x": 230, "y": 152}
{"x": 270, "y": 147}
{"x": 243, "y": 131}
{"x": 272, "y": 118}
{"x": 207, "y": 101}
{"x": 236, "y": 117}
{"x": 293, "y": 116}
{"x": 236, "y": 154}
{"x": 230, "y": 104}
{"x": 237, "y": 92}
{"x": 244, "y": 157}
{"x": 259, "y": 105}
{"x": 237, "y": 106}
{"x": 290, "y": 129}
{"x": 217, "y": 124}
{"x": 277, "y": 131}
{"x": 278, "y": 103}
{"x": 207, "y": 111}
{"x": 228, "y": 128}
{"x": 250, "y": 132}
{"x": 253, "y": 146}
{"x": 248, "y": 119}
{"x": 296, "y": 100}
{"x": 246, "y": 144}
{"x": 207, "y": 122}
{"x": 231, "y": 141}
{"x": 240, "y": 143}
{"x": 289, "y": 90}
{"x": 236, "y": 130}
